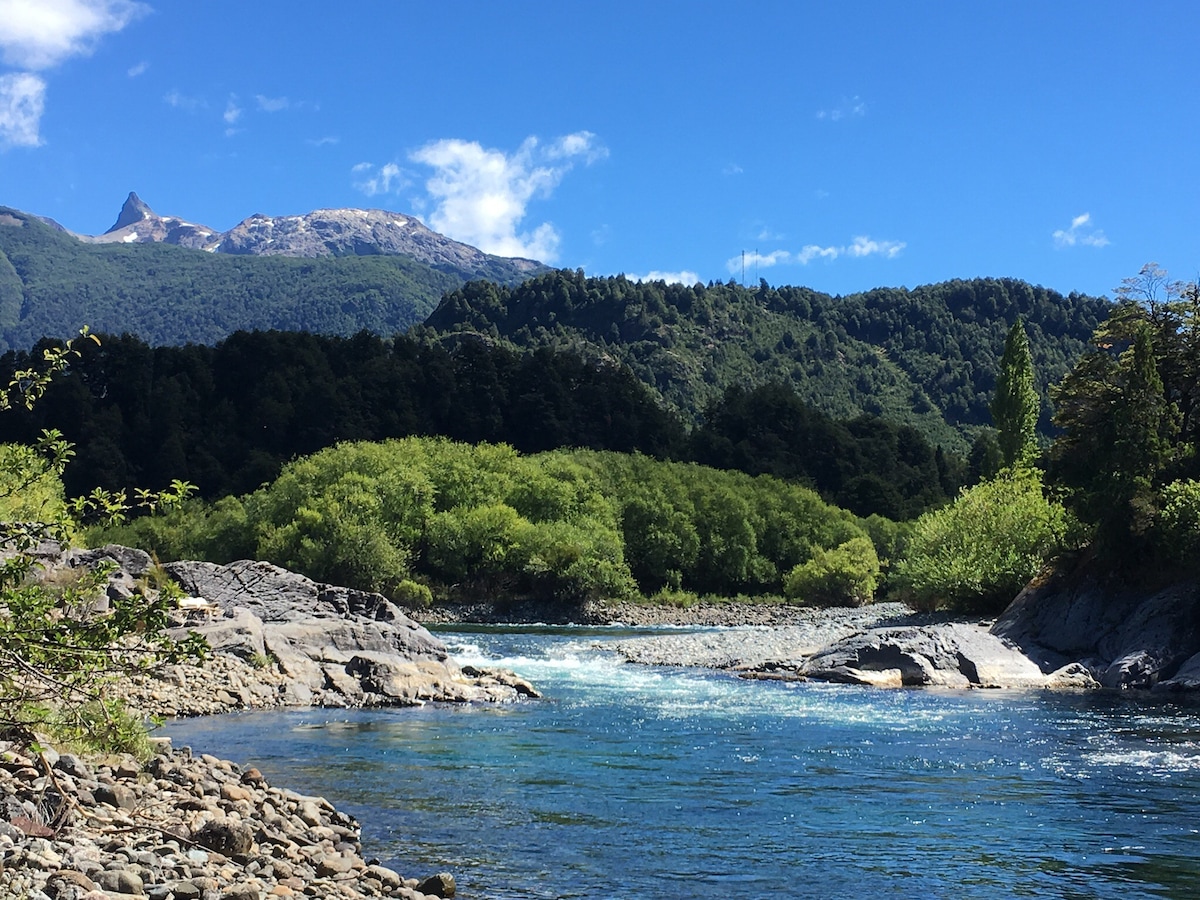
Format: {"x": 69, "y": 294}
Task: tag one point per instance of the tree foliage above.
{"x": 62, "y": 640}
{"x": 560, "y": 526}
{"x": 981, "y": 550}
{"x": 926, "y": 357}
{"x": 1016, "y": 405}
{"x": 846, "y": 575}
{"x": 228, "y": 417}
{"x": 1127, "y": 410}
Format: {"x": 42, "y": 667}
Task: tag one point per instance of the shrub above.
{"x": 977, "y": 553}
{"x": 413, "y": 595}
{"x": 1179, "y": 520}
{"x": 843, "y": 576}
{"x": 58, "y": 651}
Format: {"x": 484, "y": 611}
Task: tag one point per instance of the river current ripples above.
{"x": 633, "y": 781}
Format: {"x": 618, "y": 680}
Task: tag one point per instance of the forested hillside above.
{"x": 226, "y": 418}
{"x": 925, "y": 357}
{"x": 51, "y": 284}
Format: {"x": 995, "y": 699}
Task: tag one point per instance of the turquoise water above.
{"x": 627, "y": 781}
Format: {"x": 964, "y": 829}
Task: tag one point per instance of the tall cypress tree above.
{"x": 1016, "y": 404}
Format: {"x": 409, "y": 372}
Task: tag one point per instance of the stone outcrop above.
{"x": 885, "y": 645}
{"x": 177, "y": 827}
{"x": 1068, "y": 630}
{"x": 280, "y": 639}
{"x": 1126, "y": 636}
{"x": 954, "y": 655}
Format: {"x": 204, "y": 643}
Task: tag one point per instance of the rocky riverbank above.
{"x": 280, "y": 639}
{"x": 182, "y": 828}
{"x": 176, "y": 828}
{"x": 886, "y": 645}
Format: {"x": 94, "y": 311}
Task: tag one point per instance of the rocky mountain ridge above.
{"x": 322, "y": 232}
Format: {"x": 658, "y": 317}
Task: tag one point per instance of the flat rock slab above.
{"x": 854, "y": 646}
{"x": 755, "y": 647}
{"x": 947, "y": 655}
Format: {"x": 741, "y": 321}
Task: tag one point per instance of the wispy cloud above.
{"x": 22, "y": 100}
{"x": 852, "y": 108}
{"x": 180, "y": 100}
{"x": 386, "y": 179}
{"x": 272, "y": 104}
{"x": 323, "y": 141}
{"x": 480, "y": 196}
{"x": 684, "y": 277}
{"x": 732, "y": 169}
{"x": 1080, "y": 233}
{"x": 36, "y": 35}
{"x": 858, "y": 248}
{"x": 139, "y": 69}
{"x": 233, "y": 112}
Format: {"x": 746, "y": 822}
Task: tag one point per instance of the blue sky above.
{"x": 842, "y": 146}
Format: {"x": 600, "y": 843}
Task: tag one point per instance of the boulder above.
{"x": 337, "y": 646}
{"x": 439, "y": 885}
{"x": 226, "y": 836}
{"x": 943, "y": 655}
{"x": 1074, "y": 676}
{"x": 1187, "y": 678}
{"x": 1133, "y": 637}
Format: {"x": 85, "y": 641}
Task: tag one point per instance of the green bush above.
{"x": 30, "y": 490}
{"x": 977, "y": 553}
{"x": 1179, "y": 520}
{"x": 843, "y": 576}
{"x": 413, "y": 595}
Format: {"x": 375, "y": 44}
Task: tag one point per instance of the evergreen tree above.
{"x": 1015, "y": 405}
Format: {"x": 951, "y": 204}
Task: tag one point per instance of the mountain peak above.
{"x": 134, "y": 210}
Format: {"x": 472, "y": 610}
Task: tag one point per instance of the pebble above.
{"x": 150, "y": 842}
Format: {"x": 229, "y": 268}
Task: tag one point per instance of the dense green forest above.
{"x": 925, "y": 357}
{"x": 51, "y": 283}
{"x": 227, "y": 418}
{"x": 483, "y": 520}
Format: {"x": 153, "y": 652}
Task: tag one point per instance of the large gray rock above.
{"x": 945, "y": 655}
{"x": 1186, "y": 679}
{"x": 337, "y": 646}
{"x": 1130, "y": 637}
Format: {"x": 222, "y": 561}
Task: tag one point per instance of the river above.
{"x": 631, "y": 781}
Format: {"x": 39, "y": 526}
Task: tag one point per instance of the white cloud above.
{"x": 40, "y": 34}
{"x": 732, "y": 169}
{"x": 183, "y": 101}
{"x": 139, "y": 69}
{"x": 387, "y": 179}
{"x": 233, "y": 112}
{"x": 846, "y": 109}
{"x": 864, "y": 246}
{"x": 859, "y": 247}
{"x": 812, "y": 251}
{"x": 581, "y": 143}
{"x": 1081, "y": 232}
{"x": 480, "y": 196}
{"x": 22, "y": 99}
{"x": 762, "y": 261}
{"x": 684, "y": 277}
{"x": 322, "y": 141}
{"x": 272, "y": 104}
